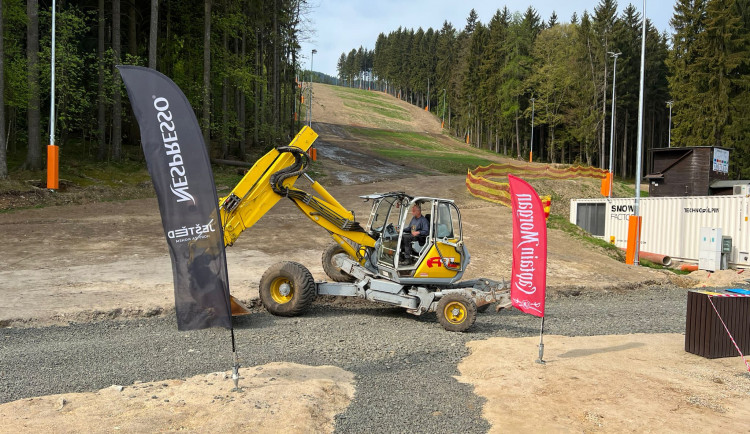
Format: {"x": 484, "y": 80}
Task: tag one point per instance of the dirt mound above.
{"x": 631, "y": 383}
{"x": 721, "y": 278}
{"x": 278, "y": 397}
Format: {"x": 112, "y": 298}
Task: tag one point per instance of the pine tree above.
{"x": 723, "y": 52}
{"x": 688, "y": 22}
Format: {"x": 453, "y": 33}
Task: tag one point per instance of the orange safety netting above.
{"x": 479, "y": 185}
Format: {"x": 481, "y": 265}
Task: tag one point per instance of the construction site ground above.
{"x": 109, "y": 260}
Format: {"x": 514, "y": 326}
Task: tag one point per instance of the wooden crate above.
{"x": 704, "y": 333}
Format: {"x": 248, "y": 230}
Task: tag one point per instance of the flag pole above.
{"x": 236, "y": 367}
{"x": 540, "y": 360}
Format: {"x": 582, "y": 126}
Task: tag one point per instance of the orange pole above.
{"x": 53, "y": 174}
{"x": 530, "y": 154}
{"x": 634, "y": 232}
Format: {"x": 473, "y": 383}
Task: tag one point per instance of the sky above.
{"x": 340, "y": 25}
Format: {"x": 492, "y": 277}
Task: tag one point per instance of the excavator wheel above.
{"x": 287, "y": 289}
{"x": 329, "y": 266}
{"x": 456, "y": 312}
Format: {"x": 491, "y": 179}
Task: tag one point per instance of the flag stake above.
{"x": 236, "y": 367}
{"x": 540, "y": 360}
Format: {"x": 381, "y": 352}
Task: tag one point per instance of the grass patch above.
{"x": 648, "y": 264}
{"x": 442, "y": 162}
{"x": 561, "y": 223}
{"x": 389, "y": 112}
{"x": 404, "y": 138}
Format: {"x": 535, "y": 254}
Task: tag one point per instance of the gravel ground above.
{"x": 404, "y": 365}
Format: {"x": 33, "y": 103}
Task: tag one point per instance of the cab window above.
{"x": 444, "y": 221}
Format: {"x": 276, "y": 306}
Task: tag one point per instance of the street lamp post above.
{"x": 639, "y": 148}
{"x": 612, "y": 133}
{"x": 531, "y": 145}
{"x": 309, "y": 112}
{"x": 669, "y": 134}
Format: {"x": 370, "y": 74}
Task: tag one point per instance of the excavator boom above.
{"x": 272, "y": 177}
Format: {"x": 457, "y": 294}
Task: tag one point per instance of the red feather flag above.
{"x": 528, "y": 280}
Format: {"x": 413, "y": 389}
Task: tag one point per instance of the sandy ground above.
{"x": 104, "y": 260}
{"x": 301, "y": 399}
{"x": 629, "y": 383}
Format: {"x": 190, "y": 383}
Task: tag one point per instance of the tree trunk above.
{"x": 277, "y": 42}
{"x": 132, "y": 41}
{"x": 207, "y": 74}
{"x": 243, "y": 102}
{"x": 257, "y": 96}
{"x": 3, "y": 143}
{"x": 552, "y": 145}
{"x": 33, "y": 156}
{"x": 518, "y": 137}
{"x": 101, "y": 113}
{"x": 224, "y": 103}
{"x": 624, "y": 155}
{"x": 117, "y": 97}
{"x": 153, "y": 33}
{"x": 133, "y": 51}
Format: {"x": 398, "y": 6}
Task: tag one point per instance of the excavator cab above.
{"x": 440, "y": 257}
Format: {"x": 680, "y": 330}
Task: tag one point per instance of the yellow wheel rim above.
{"x": 455, "y": 312}
{"x": 282, "y": 290}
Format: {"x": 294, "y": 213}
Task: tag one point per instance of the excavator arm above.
{"x": 272, "y": 177}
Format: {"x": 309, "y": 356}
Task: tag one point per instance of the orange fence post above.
{"x": 634, "y": 235}
{"x": 53, "y": 169}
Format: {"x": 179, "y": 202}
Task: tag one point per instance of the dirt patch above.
{"x": 84, "y": 262}
{"x": 630, "y": 383}
{"x": 721, "y": 278}
{"x": 278, "y": 397}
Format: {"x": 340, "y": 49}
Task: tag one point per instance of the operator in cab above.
{"x": 417, "y": 230}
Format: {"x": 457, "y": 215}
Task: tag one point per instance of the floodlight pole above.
{"x": 309, "y": 118}
{"x": 636, "y": 208}
{"x": 53, "y": 151}
{"x": 669, "y": 134}
{"x": 612, "y": 134}
{"x": 531, "y": 145}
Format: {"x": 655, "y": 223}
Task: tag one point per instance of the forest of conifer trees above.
{"x": 236, "y": 61}
{"x": 486, "y": 78}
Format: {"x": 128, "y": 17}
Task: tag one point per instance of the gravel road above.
{"x": 404, "y": 365}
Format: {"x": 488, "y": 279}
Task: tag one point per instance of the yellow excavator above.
{"x": 365, "y": 261}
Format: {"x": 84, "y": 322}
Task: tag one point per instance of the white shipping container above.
{"x": 671, "y": 225}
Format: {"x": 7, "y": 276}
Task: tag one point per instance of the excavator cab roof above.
{"x": 401, "y": 196}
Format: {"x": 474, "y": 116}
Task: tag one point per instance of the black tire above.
{"x": 329, "y": 266}
{"x": 456, "y": 312}
{"x": 291, "y": 300}
{"x": 483, "y": 308}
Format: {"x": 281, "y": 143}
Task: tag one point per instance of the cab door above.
{"x": 447, "y": 257}
{"x": 385, "y": 220}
